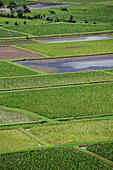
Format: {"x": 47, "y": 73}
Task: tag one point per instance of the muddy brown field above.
{"x": 16, "y": 53}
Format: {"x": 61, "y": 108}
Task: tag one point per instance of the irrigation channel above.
{"x": 39, "y": 6}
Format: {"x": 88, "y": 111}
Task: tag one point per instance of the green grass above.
{"x": 54, "y": 79}
{"x": 75, "y": 132}
{"x": 59, "y": 158}
{"x": 12, "y": 139}
{"x": 6, "y": 2}
{"x": 10, "y": 70}
{"x": 105, "y": 150}
{"x": 59, "y": 28}
{"x": 7, "y": 117}
{"x": 9, "y": 33}
{"x": 61, "y": 102}
{"x": 87, "y": 48}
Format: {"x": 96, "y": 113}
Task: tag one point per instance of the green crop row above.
{"x": 12, "y": 139}
{"x": 59, "y": 158}
{"x": 80, "y": 48}
{"x": 61, "y": 102}
{"x": 10, "y": 70}
{"x": 54, "y": 79}
{"x": 105, "y": 150}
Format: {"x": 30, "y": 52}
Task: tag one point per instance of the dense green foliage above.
{"x": 64, "y": 101}
{"x": 54, "y": 79}
{"x": 10, "y": 70}
{"x": 7, "y": 117}
{"x": 105, "y": 150}
{"x": 12, "y": 139}
{"x": 75, "y": 132}
{"x": 9, "y": 33}
{"x": 86, "y": 48}
{"x": 61, "y": 158}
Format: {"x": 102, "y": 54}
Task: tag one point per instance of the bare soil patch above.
{"x": 15, "y": 53}
{"x": 47, "y": 70}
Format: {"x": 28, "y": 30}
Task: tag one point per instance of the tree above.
{"x": 12, "y": 7}
{"x": 1, "y": 4}
{"x": 19, "y": 13}
{"x": 26, "y": 9}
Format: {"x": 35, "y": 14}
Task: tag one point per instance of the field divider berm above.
{"x": 15, "y": 31}
{"x": 95, "y": 155}
{"x": 36, "y": 138}
{"x": 30, "y": 50}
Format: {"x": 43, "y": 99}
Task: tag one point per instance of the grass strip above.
{"x": 41, "y": 141}
{"x": 96, "y": 156}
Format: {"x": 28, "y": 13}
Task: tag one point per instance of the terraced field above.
{"x": 56, "y": 121}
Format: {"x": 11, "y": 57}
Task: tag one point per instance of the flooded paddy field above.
{"x": 39, "y": 6}
{"x": 72, "y": 64}
{"x": 73, "y": 39}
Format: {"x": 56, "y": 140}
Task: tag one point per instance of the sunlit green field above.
{"x": 54, "y": 79}
{"x": 80, "y": 48}
{"x": 12, "y": 139}
{"x": 76, "y": 132}
{"x": 59, "y": 102}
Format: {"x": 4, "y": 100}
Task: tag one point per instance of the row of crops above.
{"x": 59, "y": 158}
{"x": 46, "y": 119}
{"x": 50, "y": 79}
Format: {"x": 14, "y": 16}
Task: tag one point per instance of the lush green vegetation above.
{"x": 86, "y": 48}
{"x": 7, "y": 117}
{"x": 9, "y": 33}
{"x": 75, "y": 132}
{"x": 59, "y": 28}
{"x": 59, "y": 158}
{"x": 54, "y": 79}
{"x": 10, "y": 70}
{"x": 91, "y": 13}
{"x": 64, "y": 101}
{"x": 12, "y": 139}
{"x": 105, "y": 150}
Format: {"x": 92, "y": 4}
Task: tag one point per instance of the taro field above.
{"x": 51, "y": 120}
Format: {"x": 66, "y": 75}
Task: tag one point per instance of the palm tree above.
{"x": 12, "y": 7}
{"x": 26, "y": 9}
{"x": 1, "y": 4}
